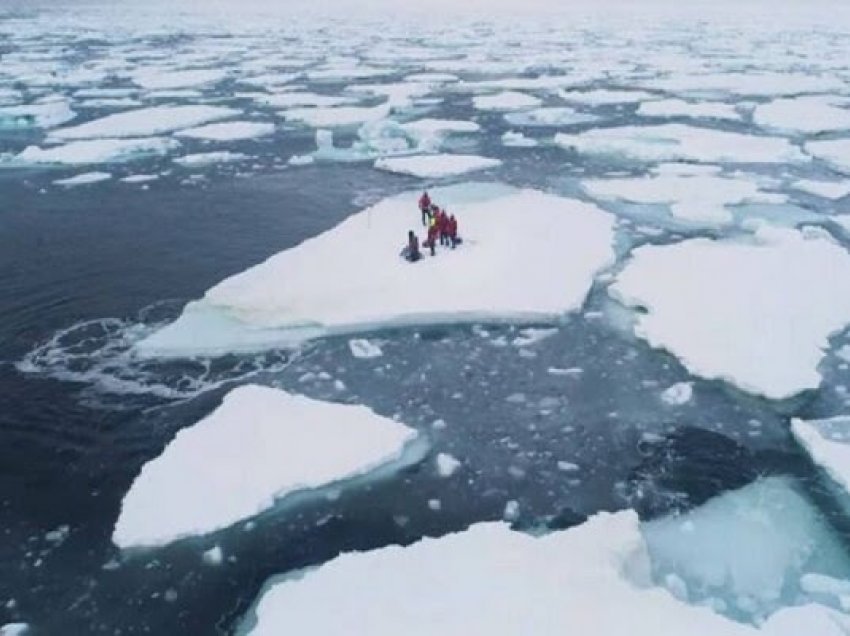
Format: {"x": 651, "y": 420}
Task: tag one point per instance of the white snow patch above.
{"x": 564, "y": 243}
{"x": 229, "y": 131}
{"x": 755, "y": 314}
{"x": 261, "y": 444}
{"x": 144, "y": 122}
{"x": 695, "y": 110}
{"x": 508, "y": 100}
{"x": 435, "y": 166}
{"x": 676, "y": 142}
{"x": 83, "y": 179}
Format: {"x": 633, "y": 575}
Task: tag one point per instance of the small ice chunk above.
{"x": 213, "y": 556}
{"x": 678, "y": 394}
{"x": 549, "y": 116}
{"x": 516, "y": 139}
{"x": 435, "y": 505}
{"x": 14, "y": 629}
{"x": 446, "y": 465}
{"x": 140, "y": 178}
{"x": 567, "y": 466}
{"x": 83, "y": 179}
{"x": 511, "y": 512}
{"x": 259, "y": 445}
{"x": 202, "y": 159}
{"x": 532, "y": 335}
{"x": 362, "y": 348}
{"x": 59, "y": 534}
{"x": 603, "y": 96}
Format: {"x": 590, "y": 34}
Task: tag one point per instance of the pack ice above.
{"x": 260, "y": 445}
{"x": 756, "y": 313}
{"x": 680, "y": 142}
{"x": 593, "y": 580}
{"x": 351, "y": 278}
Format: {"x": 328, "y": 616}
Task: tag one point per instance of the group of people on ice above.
{"x": 441, "y": 227}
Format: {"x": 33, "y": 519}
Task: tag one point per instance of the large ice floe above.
{"x": 351, "y": 278}
{"x": 676, "y": 142}
{"x": 260, "y": 445}
{"x": 144, "y": 122}
{"x": 594, "y": 579}
{"x": 756, "y": 312}
{"x": 336, "y": 116}
{"x": 835, "y": 152}
{"x": 694, "y": 198}
{"x": 229, "y": 131}
{"x": 435, "y": 166}
{"x": 807, "y": 114}
{"x": 828, "y": 444}
{"x": 95, "y": 151}
{"x": 761, "y": 83}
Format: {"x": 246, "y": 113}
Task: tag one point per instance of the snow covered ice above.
{"x": 145, "y": 122}
{"x": 265, "y": 305}
{"x": 754, "y": 313}
{"x": 435, "y": 166}
{"x": 680, "y": 142}
{"x": 594, "y": 579}
{"x": 260, "y": 445}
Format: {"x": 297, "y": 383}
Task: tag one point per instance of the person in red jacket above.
{"x": 425, "y": 207}
{"x": 444, "y": 228}
{"x": 454, "y": 239}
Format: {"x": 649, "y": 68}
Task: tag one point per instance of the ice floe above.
{"x": 157, "y": 79}
{"x": 676, "y": 142}
{"x": 260, "y": 445}
{"x": 301, "y": 99}
{"x": 779, "y": 537}
{"x": 828, "y": 444}
{"x": 320, "y": 117}
{"x": 94, "y": 151}
{"x": 593, "y": 579}
{"x": 140, "y": 178}
{"x": 516, "y": 139}
{"x": 756, "y": 314}
{"x": 825, "y": 189}
{"x": 209, "y": 158}
{"x": 603, "y": 97}
{"x": 145, "y": 122}
{"x": 496, "y": 274}
{"x": 756, "y": 84}
{"x": 549, "y": 116}
{"x": 808, "y": 114}
{"x": 229, "y": 131}
{"x": 46, "y": 115}
{"x": 678, "y": 394}
{"x": 694, "y": 110}
{"x": 436, "y": 166}
{"x": 693, "y": 198}
{"x": 83, "y": 179}
{"x": 362, "y": 348}
{"x": 835, "y": 152}
{"x": 508, "y": 100}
